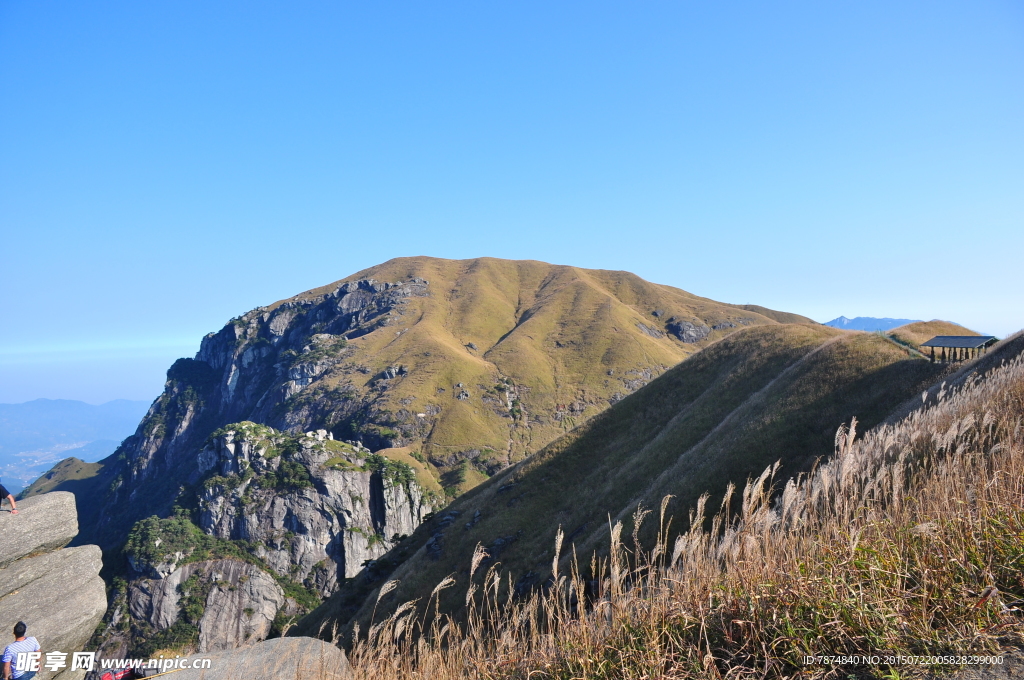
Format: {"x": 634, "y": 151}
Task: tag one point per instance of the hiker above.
{"x": 4, "y": 493}
{"x": 21, "y": 644}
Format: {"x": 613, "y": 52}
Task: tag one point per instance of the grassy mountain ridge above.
{"x": 760, "y": 395}
{"x": 472, "y": 364}
{"x": 561, "y": 341}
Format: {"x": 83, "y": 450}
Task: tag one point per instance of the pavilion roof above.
{"x": 960, "y": 341}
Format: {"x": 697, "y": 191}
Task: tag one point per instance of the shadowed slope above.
{"x": 760, "y": 395}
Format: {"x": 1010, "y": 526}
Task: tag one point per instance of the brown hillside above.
{"x": 776, "y": 392}
{"x": 533, "y": 349}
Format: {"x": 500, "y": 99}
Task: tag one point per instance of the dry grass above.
{"x": 761, "y": 395}
{"x": 909, "y": 542}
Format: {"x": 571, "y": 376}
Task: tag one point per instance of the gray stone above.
{"x": 686, "y": 331}
{"x": 59, "y": 596}
{"x": 240, "y": 606}
{"x": 44, "y": 523}
{"x": 292, "y": 657}
{"x": 307, "y": 534}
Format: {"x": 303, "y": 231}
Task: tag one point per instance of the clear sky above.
{"x": 165, "y": 166}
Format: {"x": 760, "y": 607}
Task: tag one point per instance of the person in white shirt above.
{"x": 21, "y": 644}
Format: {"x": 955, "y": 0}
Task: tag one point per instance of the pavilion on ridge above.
{"x": 958, "y": 347}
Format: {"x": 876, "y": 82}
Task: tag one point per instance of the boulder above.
{"x": 292, "y": 657}
{"x": 59, "y": 595}
{"x": 44, "y": 523}
{"x": 686, "y": 331}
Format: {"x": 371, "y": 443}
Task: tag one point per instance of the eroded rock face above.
{"x": 317, "y": 534}
{"x": 240, "y": 607}
{"x": 57, "y": 593}
{"x": 274, "y": 509}
{"x": 249, "y": 370}
{"x": 241, "y": 601}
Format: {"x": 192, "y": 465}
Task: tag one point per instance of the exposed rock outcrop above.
{"x": 240, "y": 604}
{"x": 275, "y": 511}
{"x": 255, "y": 369}
{"x": 57, "y": 593}
{"x": 690, "y": 332}
{"x": 316, "y": 531}
{"x": 46, "y": 523}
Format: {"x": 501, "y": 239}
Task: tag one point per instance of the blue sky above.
{"x": 165, "y": 166}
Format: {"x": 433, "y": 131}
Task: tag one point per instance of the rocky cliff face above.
{"x": 273, "y": 512}
{"x": 253, "y": 369}
{"x": 351, "y": 508}
{"x": 240, "y": 604}
{"x": 57, "y": 593}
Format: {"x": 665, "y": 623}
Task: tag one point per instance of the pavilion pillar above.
{"x": 933, "y": 355}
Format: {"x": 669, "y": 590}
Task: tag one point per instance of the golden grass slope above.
{"x": 899, "y": 558}
{"x": 534, "y": 349}
{"x": 914, "y": 334}
{"x": 774, "y": 392}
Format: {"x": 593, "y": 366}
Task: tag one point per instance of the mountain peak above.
{"x": 868, "y": 323}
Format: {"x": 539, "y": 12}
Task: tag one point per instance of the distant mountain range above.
{"x": 36, "y": 434}
{"x": 868, "y": 323}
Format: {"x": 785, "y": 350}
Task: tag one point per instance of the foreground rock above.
{"x": 44, "y": 523}
{"x": 277, "y": 659}
{"x": 57, "y": 593}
